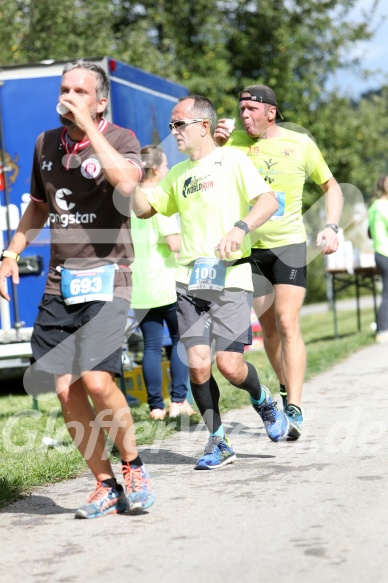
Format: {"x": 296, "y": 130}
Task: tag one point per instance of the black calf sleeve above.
{"x": 251, "y": 383}
{"x": 206, "y": 397}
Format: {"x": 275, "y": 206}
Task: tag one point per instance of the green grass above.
{"x": 25, "y": 463}
{"x": 323, "y": 351}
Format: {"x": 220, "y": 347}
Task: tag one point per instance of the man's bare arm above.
{"x": 334, "y": 204}
{"x": 140, "y": 206}
{"x": 265, "y": 206}
{"x": 32, "y": 221}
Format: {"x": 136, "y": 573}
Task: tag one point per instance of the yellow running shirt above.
{"x": 210, "y": 194}
{"x": 285, "y": 163}
{"x": 155, "y": 265}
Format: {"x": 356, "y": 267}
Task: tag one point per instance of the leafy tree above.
{"x": 213, "y": 46}
{"x": 217, "y": 47}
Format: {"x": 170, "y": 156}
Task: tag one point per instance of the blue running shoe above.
{"x": 275, "y": 422}
{"x": 283, "y": 395}
{"x": 295, "y": 418}
{"x": 218, "y": 452}
{"x": 104, "y": 500}
{"x": 138, "y": 488}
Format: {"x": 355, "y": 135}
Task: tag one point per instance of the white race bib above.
{"x": 88, "y": 285}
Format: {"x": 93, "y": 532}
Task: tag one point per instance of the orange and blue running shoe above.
{"x": 138, "y": 488}
{"x": 104, "y": 500}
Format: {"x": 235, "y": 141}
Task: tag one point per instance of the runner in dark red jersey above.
{"x": 83, "y": 176}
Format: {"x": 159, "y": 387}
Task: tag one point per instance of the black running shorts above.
{"x": 80, "y": 337}
{"x": 280, "y": 265}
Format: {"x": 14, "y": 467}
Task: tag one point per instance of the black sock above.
{"x": 296, "y": 407}
{"x": 136, "y": 462}
{"x": 206, "y": 397}
{"x": 111, "y": 482}
{"x": 251, "y": 383}
{"x": 283, "y": 390}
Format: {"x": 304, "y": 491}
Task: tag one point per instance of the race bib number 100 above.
{"x": 208, "y": 273}
{"x": 88, "y": 285}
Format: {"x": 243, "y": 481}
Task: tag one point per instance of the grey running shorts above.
{"x": 223, "y": 316}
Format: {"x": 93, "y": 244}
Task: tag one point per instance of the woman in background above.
{"x": 378, "y": 228}
{"x": 157, "y": 242}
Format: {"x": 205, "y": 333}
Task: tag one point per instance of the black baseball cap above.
{"x": 261, "y": 94}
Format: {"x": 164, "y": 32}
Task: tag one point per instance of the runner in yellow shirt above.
{"x": 213, "y": 190}
{"x": 285, "y": 159}
{"x": 157, "y": 243}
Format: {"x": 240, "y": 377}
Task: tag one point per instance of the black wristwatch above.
{"x": 242, "y": 225}
{"x": 333, "y": 226}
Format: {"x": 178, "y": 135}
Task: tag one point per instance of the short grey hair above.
{"x": 102, "y": 87}
{"x": 203, "y": 107}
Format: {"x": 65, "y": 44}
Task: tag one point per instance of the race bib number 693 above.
{"x": 88, "y": 285}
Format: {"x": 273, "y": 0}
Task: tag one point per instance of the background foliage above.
{"x": 215, "y": 48}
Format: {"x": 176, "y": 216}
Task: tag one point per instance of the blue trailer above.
{"x": 28, "y": 96}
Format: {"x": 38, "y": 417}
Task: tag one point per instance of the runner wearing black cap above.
{"x": 285, "y": 159}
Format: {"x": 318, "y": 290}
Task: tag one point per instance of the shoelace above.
{"x": 98, "y": 493}
{"x": 212, "y": 444}
{"x": 293, "y": 413}
{"x": 268, "y": 412}
{"x": 223, "y": 445}
{"x": 132, "y": 478}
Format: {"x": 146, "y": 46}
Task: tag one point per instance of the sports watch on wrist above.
{"x": 332, "y": 226}
{"x": 9, "y": 254}
{"x": 242, "y": 225}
